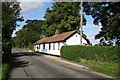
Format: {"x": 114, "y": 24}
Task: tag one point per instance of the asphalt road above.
{"x": 31, "y": 65}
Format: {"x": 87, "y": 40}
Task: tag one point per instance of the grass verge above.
{"x": 0, "y": 71}
{"x": 4, "y": 70}
{"x": 110, "y": 69}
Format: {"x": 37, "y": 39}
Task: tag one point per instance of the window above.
{"x": 53, "y": 46}
{"x": 39, "y": 46}
{"x": 43, "y": 46}
{"x": 76, "y": 35}
{"x": 58, "y": 45}
{"x": 49, "y": 46}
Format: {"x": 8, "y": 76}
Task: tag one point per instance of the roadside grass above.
{"x": 110, "y": 69}
{"x": 4, "y": 70}
{"x": 102, "y": 59}
{"x": 0, "y": 71}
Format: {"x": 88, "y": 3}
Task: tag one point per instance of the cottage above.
{"x": 53, "y": 44}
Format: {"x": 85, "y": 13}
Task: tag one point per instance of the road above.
{"x": 31, "y": 65}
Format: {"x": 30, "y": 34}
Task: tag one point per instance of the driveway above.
{"x": 32, "y": 66}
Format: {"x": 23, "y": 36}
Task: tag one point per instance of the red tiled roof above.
{"x": 56, "y": 38}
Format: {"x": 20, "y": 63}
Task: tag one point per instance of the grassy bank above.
{"x": 104, "y": 59}
{"x": 4, "y": 70}
{"x": 0, "y": 71}
{"x": 106, "y": 69}
{"x": 110, "y": 69}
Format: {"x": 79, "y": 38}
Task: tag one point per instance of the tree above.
{"x": 10, "y": 15}
{"x": 64, "y": 15}
{"x": 108, "y": 14}
{"x": 31, "y": 32}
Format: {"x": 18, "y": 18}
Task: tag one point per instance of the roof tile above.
{"x": 56, "y": 38}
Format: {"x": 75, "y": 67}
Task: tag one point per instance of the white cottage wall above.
{"x": 41, "y": 48}
{"x": 75, "y": 40}
{"x": 35, "y": 48}
{"x": 51, "y": 51}
{"x": 38, "y": 47}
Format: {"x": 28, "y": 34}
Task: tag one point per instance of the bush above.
{"x": 97, "y": 53}
{"x": 31, "y": 46}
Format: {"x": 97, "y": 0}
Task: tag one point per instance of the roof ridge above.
{"x": 58, "y": 37}
{"x": 61, "y": 33}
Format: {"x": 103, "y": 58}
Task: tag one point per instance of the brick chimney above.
{"x": 57, "y": 31}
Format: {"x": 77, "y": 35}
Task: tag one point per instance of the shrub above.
{"x": 97, "y": 53}
{"x": 31, "y": 47}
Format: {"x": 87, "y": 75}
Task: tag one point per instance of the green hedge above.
{"x": 97, "y": 53}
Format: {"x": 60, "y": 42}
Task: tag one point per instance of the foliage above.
{"x": 5, "y": 68}
{"x": 108, "y": 14}
{"x": 10, "y": 15}
{"x": 103, "y": 59}
{"x": 65, "y": 16}
{"x": 31, "y": 47}
{"x": 95, "y": 53}
{"x": 103, "y": 43}
{"x": 62, "y": 15}
{"x": 29, "y": 34}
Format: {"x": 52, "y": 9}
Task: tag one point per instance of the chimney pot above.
{"x": 57, "y": 31}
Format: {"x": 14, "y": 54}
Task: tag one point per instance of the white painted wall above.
{"x": 73, "y": 40}
{"x": 51, "y": 51}
{"x": 35, "y": 47}
{"x": 46, "y": 50}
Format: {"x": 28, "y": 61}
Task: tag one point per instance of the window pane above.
{"x": 39, "y": 46}
{"x": 43, "y": 46}
{"x": 53, "y": 46}
{"x": 58, "y": 45}
{"x": 49, "y": 46}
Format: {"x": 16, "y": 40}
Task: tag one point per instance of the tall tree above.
{"x": 108, "y": 14}
{"x": 10, "y": 15}
{"x": 31, "y": 32}
{"x": 64, "y": 15}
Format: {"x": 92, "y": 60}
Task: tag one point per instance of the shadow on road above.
{"x": 19, "y": 54}
{"x": 19, "y": 62}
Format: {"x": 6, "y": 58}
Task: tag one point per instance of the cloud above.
{"x": 100, "y": 25}
{"x": 29, "y": 6}
{"x": 91, "y": 30}
{"x": 91, "y": 25}
{"x": 36, "y": 1}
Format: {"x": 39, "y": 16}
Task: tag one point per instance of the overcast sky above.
{"x": 36, "y": 10}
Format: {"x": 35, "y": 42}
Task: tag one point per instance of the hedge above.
{"x": 97, "y": 53}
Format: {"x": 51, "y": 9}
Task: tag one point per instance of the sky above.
{"x": 36, "y": 10}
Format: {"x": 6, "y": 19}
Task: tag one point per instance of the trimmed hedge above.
{"x": 97, "y": 53}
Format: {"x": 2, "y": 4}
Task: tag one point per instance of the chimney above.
{"x": 57, "y": 31}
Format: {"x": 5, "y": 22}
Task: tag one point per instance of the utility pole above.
{"x": 81, "y": 21}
